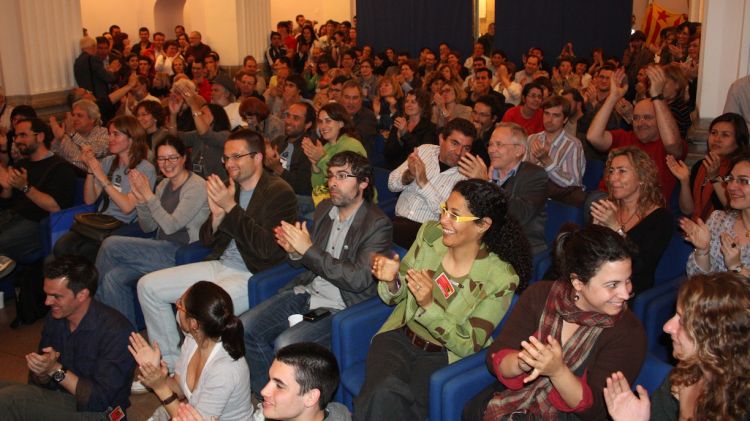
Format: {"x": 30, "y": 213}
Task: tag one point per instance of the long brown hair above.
{"x": 716, "y": 317}
{"x": 129, "y": 126}
{"x": 650, "y": 194}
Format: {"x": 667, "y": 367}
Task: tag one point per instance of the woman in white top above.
{"x": 211, "y": 373}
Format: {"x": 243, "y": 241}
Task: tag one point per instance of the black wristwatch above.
{"x": 59, "y": 374}
{"x": 659, "y": 97}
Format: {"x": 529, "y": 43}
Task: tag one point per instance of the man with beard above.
{"x": 240, "y": 230}
{"x": 347, "y": 230}
{"x": 285, "y": 157}
{"x": 39, "y": 183}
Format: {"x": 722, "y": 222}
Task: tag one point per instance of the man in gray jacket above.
{"x": 348, "y": 230}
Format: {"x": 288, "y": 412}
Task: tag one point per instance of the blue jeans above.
{"x": 19, "y": 236}
{"x": 122, "y": 261}
{"x": 267, "y": 330}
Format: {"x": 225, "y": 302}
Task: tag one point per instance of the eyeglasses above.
{"x": 23, "y": 135}
{"x": 744, "y": 181}
{"x": 456, "y": 218}
{"x": 484, "y": 115}
{"x": 646, "y": 117}
{"x": 236, "y": 157}
{"x": 340, "y": 176}
{"x": 172, "y": 159}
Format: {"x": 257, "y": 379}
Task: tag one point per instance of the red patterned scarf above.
{"x": 703, "y": 189}
{"x": 532, "y": 399}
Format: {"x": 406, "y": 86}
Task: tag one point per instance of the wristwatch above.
{"x": 657, "y": 97}
{"x": 59, "y": 374}
{"x": 25, "y": 189}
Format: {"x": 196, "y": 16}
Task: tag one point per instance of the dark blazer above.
{"x": 365, "y": 122}
{"x": 527, "y": 196}
{"x": 273, "y": 201}
{"x": 91, "y": 75}
{"x": 396, "y": 151}
{"x": 371, "y": 232}
{"x": 298, "y": 174}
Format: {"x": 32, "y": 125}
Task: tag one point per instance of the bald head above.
{"x": 644, "y": 121}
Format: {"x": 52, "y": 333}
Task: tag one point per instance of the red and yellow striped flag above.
{"x": 658, "y": 18}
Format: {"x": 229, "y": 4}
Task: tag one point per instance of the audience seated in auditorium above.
{"x": 709, "y": 333}
{"x": 440, "y": 316}
{"x": 108, "y": 178}
{"x": 565, "y": 336}
{"x": 81, "y": 368}
{"x": 239, "y": 231}
{"x": 654, "y": 130}
{"x": 427, "y": 177}
{"x": 174, "y": 212}
{"x": 635, "y": 209}
{"x": 348, "y": 229}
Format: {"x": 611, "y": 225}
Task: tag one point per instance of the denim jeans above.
{"x": 19, "y": 236}
{"x": 122, "y": 261}
{"x": 158, "y": 290}
{"x": 267, "y": 330}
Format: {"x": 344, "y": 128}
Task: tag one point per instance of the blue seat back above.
{"x": 674, "y": 260}
{"x": 593, "y": 174}
{"x": 653, "y": 373}
{"x": 557, "y": 215}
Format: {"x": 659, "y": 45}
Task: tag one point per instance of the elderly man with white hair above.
{"x": 81, "y": 127}
{"x": 89, "y": 70}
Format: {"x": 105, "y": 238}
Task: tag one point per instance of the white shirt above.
{"x": 422, "y": 204}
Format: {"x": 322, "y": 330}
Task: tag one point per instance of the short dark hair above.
{"x": 461, "y": 125}
{"x": 484, "y": 70}
{"x": 159, "y": 34}
{"x": 577, "y": 97}
{"x": 315, "y": 367}
{"x": 143, "y": 29}
{"x": 102, "y": 40}
{"x": 582, "y": 251}
{"x": 112, "y": 28}
{"x": 529, "y": 86}
{"x": 360, "y": 167}
{"x": 557, "y": 101}
{"x": 25, "y": 111}
{"x": 81, "y": 273}
{"x": 253, "y": 139}
{"x": 39, "y": 126}
{"x": 491, "y": 102}
{"x": 155, "y": 109}
{"x": 310, "y": 113}
{"x": 172, "y": 141}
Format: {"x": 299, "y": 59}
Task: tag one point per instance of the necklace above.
{"x": 624, "y": 224}
{"x": 744, "y": 225}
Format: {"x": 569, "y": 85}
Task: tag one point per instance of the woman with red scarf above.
{"x": 565, "y": 337}
{"x": 701, "y": 188}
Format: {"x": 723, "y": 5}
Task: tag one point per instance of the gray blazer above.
{"x": 371, "y": 232}
{"x": 527, "y": 196}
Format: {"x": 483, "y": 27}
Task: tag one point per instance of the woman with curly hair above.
{"x": 564, "y": 337}
{"x": 388, "y": 104}
{"x": 710, "y": 338}
{"x": 635, "y": 209}
{"x": 722, "y": 242}
{"x": 452, "y": 289}
{"x": 337, "y": 134}
{"x": 449, "y": 104}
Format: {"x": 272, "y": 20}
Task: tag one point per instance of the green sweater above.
{"x": 463, "y": 323}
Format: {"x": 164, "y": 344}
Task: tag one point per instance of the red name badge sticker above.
{"x": 117, "y": 414}
{"x": 445, "y": 285}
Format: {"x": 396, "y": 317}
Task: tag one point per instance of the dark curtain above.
{"x": 549, "y": 24}
{"x": 410, "y": 25}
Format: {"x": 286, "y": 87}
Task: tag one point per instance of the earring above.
{"x": 576, "y": 297}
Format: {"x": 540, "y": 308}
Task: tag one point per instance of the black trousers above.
{"x": 397, "y": 380}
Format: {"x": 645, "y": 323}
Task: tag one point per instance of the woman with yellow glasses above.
{"x": 450, "y": 292}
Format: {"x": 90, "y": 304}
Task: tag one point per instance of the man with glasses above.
{"x": 485, "y": 114}
{"x": 348, "y": 229}
{"x": 239, "y": 230}
{"x": 200, "y": 80}
{"x": 37, "y": 184}
{"x": 654, "y": 131}
{"x": 427, "y": 177}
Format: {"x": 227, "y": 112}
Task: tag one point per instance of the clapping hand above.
{"x": 618, "y": 83}
{"x": 420, "y": 284}
{"x": 696, "y": 233}
{"x": 385, "y": 269}
{"x": 604, "y": 213}
{"x": 711, "y": 163}
{"x": 294, "y": 238}
{"x": 678, "y": 169}
{"x": 417, "y": 168}
{"x": 544, "y": 359}
{"x": 153, "y": 376}
{"x": 730, "y": 249}
{"x": 140, "y": 186}
{"x": 313, "y": 150}
{"x": 221, "y": 194}
{"x": 622, "y": 404}
{"x": 42, "y": 364}
{"x": 142, "y": 352}
{"x": 18, "y": 177}
{"x": 472, "y": 166}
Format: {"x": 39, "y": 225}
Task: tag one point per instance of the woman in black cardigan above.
{"x": 412, "y": 129}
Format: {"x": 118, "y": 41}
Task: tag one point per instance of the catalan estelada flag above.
{"x": 658, "y": 18}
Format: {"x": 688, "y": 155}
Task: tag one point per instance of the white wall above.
{"x": 129, "y": 15}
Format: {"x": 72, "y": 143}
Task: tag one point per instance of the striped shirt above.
{"x": 568, "y": 162}
{"x": 422, "y": 204}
